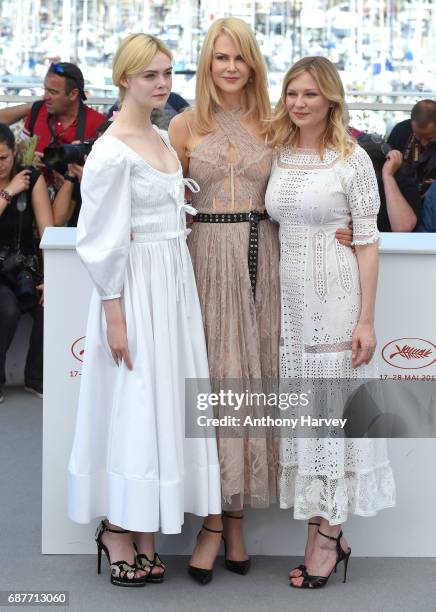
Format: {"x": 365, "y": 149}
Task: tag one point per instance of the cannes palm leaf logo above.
{"x": 411, "y": 352}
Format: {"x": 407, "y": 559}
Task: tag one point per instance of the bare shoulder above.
{"x": 181, "y": 125}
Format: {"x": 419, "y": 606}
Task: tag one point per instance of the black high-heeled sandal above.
{"x": 302, "y": 566}
{"x": 122, "y": 573}
{"x": 238, "y": 567}
{"x": 143, "y": 562}
{"x": 317, "y": 582}
{"x": 201, "y": 575}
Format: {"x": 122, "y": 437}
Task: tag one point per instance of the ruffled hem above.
{"x": 361, "y": 493}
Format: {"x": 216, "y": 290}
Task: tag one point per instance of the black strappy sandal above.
{"x": 302, "y": 566}
{"x": 201, "y": 575}
{"x": 143, "y": 562}
{"x": 238, "y": 567}
{"x": 317, "y": 582}
{"x": 122, "y": 573}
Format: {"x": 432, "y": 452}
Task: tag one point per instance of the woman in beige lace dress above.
{"x": 222, "y": 145}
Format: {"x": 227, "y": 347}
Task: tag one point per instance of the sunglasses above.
{"x": 58, "y": 69}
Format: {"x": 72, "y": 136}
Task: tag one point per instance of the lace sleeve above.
{"x": 363, "y": 197}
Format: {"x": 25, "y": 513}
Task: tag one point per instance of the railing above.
{"x": 7, "y": 99}
{"x": 366, "y": 115}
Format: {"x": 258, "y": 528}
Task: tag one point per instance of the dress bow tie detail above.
{"x": 184, "y": 208}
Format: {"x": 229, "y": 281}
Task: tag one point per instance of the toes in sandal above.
{"x": 318, "y": 582}
{"x": 302, "y": 566}
{"x": 144, "y": 563}
{"x": 122, "y": 573}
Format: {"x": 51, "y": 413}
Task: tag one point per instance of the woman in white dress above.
{"x": 130, "y": 460}
{"x": 320, "y": 180}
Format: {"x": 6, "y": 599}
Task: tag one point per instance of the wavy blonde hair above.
{"x": 255, "y": 100}
{"x": 134, "y": 53}
{"x": 284, "y": 131}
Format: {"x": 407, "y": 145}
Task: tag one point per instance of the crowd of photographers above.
{"x": 48, "y": 192}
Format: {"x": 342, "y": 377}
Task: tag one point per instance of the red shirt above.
{"x": 42, "y": 130}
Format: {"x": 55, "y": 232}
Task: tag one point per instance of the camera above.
{"x": 375, "y": 145}
{"x": 377, "y": 149}
{"x": 22, "y": 272}
{"x": 57, "y": 157}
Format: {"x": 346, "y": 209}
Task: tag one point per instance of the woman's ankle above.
{"x": 145, "y": 543}
{"x": 213, "y": 521}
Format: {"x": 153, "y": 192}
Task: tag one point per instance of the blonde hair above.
{"x": 284, "y": 131}
{"x": 135, "y": 53}
{"x": 255, "y": 100}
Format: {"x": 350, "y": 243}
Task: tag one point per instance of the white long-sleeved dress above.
{"x": 130, "y": 459}
{"x": 320, "y": 305}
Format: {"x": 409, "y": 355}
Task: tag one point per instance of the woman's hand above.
{"x": 20, "y": 182}
{"x": 345, "y": 235}
{"x": 41, "y": 290}
{"x": 363, "y": 344}
{"x": 37, "y": 161}
{"x": 75, "y": 170}
{"x": 117, "y": 340}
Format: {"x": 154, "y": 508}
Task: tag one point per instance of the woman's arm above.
{"x": 63, "y": 205}
{"x": 179, "y": 135}
{"x": 364, "y": 202}
{"x": 103, "y": 236}
{"x": 19, "y": 183}
{"x": 117, "y": 332}
{"x": 364, "y": 340}
{"x": 42, "y": 206}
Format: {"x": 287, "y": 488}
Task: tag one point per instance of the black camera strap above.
{"x": 28, "y": 196}
{"x": 80, "y": 125}
{"x": 81, "y": 122}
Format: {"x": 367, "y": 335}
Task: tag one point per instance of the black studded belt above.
{"x": 253, "y": 219}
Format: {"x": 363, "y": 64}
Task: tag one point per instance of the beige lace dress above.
{"x": 232, "y": 168}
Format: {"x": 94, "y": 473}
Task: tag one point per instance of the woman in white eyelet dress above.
{"x": 327, "y": 310}
{"x": 320, "y": 289}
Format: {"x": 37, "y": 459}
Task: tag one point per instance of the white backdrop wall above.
{"x": 406, "y": 307}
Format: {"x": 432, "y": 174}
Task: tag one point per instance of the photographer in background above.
{"x": 23, "y": 199}
{"x": 61, "y": 117}
{"x": 400, "y": 202}
{"x": 415, "y": 138}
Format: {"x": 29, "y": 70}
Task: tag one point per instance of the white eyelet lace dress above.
{"x": 320, "y": 305}
{"x": 130, "y": 460}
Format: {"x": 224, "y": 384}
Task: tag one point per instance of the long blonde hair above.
{"x": 284, "y": 131}
{"x": 134, "y": 53}
{"x": 255, "y": 100}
